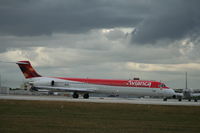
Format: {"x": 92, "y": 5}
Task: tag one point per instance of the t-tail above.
{"x": 27, "y": 69}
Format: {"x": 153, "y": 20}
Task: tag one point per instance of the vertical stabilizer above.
{"x": 27, "y": 69}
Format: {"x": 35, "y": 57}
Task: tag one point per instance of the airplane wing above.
{"x": 69, "y": 89}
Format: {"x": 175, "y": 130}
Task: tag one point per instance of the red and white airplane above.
{"x": 85, "y": 86}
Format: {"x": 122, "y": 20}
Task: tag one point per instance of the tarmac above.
{"x": 148, "y": 101}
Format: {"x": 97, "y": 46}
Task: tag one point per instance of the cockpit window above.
{"x": 162, "y": 85}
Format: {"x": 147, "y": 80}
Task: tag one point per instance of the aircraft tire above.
{"x": 180, "y": 99}
{"x": 86, "y": 96}
{"x": 75, "y": 95}
{"x": 165, "y": 99}
{"x": 195, "y": 100}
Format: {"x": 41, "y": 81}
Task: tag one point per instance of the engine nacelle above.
{"x": 43, "y": 83}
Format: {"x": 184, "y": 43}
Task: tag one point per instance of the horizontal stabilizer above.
{"x": 14, "y": 62}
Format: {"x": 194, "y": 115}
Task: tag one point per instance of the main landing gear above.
{"x": 189, "y": 100}
{"x": 181, "y": 98}
{"x": 76, "y": 95}
{"x": 86, "y": 96}
{"x": 165, "y": 99}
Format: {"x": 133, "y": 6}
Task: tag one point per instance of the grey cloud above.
{"x": 169, "y": 20}
{"x": 28, "y": 18}
{"x": 154, "y": 19}
{"x": 115, "y": 34}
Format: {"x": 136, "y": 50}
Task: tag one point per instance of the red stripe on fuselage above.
{"x": 123, "y": 83}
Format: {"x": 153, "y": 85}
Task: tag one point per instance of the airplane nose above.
{"x": 169, "y": 92}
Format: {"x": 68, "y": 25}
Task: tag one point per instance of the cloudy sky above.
{"x": 114, "y": 39}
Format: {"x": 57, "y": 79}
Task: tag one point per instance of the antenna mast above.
{"x": 186, "y": 81}
{"x": 0, "y": 80}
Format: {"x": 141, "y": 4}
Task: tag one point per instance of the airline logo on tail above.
{"x": 27, "y": 69}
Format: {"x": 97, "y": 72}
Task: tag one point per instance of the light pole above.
{"x": 0, "y": 80}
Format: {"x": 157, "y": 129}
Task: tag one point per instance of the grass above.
{"x": 71, "y": 117}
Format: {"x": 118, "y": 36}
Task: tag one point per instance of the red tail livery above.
{"x": 27, "y": 69}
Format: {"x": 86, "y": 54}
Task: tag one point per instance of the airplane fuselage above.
{"x": 85, "y": 85}
{"x": 106, "y": 86}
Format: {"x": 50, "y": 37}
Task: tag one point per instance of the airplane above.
{"x": 188, "y": 93}
{"x": 85, "y": 86}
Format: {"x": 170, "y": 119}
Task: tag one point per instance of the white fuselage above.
{"x": 104, "y": 89}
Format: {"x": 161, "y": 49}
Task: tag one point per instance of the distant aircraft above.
{"x": 85, "y": 86}
{"x": 187, "y": 93}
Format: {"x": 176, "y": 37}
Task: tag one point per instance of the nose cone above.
{"x": 169, "y": 92}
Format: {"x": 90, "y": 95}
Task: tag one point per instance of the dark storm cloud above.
{"x": 169, "y": 20}
{"x": 153, "y": 19}
{"x": 36, "y": 17}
